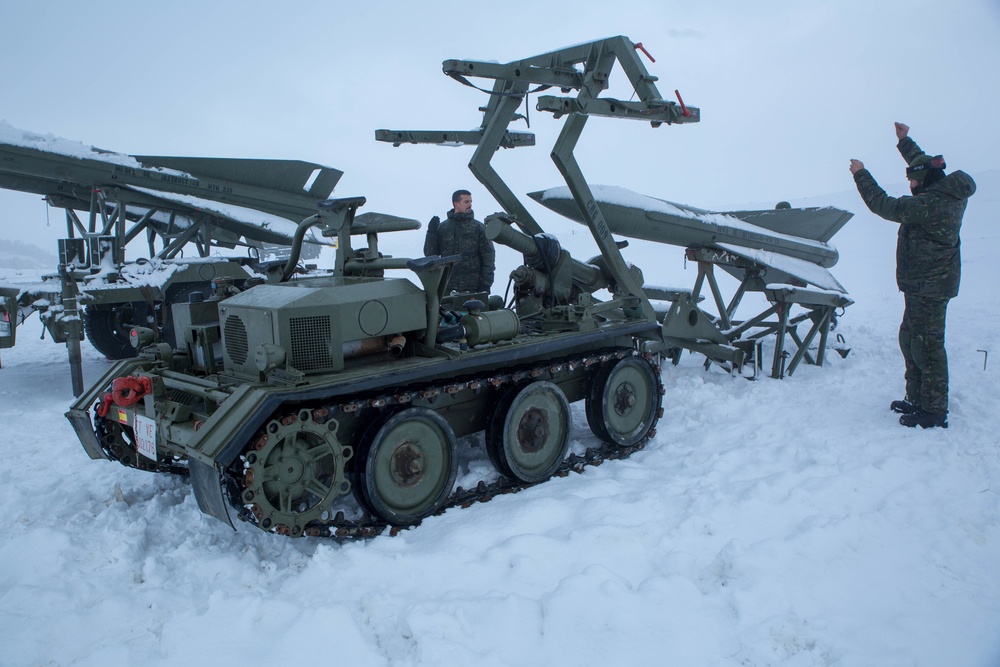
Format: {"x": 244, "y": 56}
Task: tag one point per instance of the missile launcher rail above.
{"x": 781, "y": 254}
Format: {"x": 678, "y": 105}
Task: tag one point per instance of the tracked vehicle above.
{"x": 289, "y": 401}
{"x": 342, "y": 405}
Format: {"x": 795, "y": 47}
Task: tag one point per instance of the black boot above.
{"x": 925, "y": 419}
{"x": 904, "y": 407}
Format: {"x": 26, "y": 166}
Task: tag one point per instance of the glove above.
{"x": 432, "y": 226}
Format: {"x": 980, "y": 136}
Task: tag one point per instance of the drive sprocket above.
{"x": 293, "y": 473}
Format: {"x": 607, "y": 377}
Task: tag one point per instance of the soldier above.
{"x": 462, "y": 234}
{"x": 928, "y": 269}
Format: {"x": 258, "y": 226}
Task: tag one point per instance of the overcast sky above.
{"x": 789, "y": 91}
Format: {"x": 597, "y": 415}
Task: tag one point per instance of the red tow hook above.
{"x": 125, "y": 391}
{"x": 104, "y": 405}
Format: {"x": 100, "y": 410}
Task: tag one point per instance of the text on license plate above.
{"x": 145, "y": 436}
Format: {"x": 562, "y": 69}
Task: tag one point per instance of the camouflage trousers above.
{"x": 921, "y": 340}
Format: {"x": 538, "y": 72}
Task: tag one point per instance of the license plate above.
{"x": 145, "y": 436}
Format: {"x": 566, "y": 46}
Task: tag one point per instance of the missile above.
{"x": 797, "y": 233}
{"x": 250, "y": 197}
{"x": 791, "y": 242}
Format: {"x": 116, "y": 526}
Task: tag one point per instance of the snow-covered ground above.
{"x": 789, "y": 522}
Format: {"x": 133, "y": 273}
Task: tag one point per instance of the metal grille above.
{"x": 236, "y": 339}
{"x": 182, "y": 397}
{"x": 310, "y": 342}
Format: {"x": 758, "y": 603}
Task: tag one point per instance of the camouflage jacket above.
{"x": 463, "y": 235}
{"x": 928, "y": 255}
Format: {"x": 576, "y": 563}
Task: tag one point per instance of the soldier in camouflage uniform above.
{"x": 461, "y": 234}
{"x": 928, "y": 270}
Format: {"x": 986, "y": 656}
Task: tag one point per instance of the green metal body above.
{"x": 309, "y": 343}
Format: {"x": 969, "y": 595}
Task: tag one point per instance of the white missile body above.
{"x": 792, "y": 241}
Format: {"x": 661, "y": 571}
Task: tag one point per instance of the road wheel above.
{"x": 623, "y": 403}
{"x": 528, "y": 435}
{"x": 407, "y": 466}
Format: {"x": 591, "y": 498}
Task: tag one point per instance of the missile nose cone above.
{"x": 537, "y": 195}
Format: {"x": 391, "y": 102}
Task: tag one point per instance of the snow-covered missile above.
{"x": 800, "y": 233}
{"x": 259, "y": 200}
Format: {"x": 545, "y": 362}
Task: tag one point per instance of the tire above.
{"x": 108, "y": 327}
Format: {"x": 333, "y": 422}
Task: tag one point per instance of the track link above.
{"x": 340, "y": 528}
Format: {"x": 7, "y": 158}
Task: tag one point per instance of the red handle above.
{"x": 684, "y": 109}
{"x": 642, "y": 48}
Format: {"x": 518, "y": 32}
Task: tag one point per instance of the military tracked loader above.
{"x": 296, "y": 404}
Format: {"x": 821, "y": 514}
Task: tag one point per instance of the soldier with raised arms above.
{"x": 928, "y": 271}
